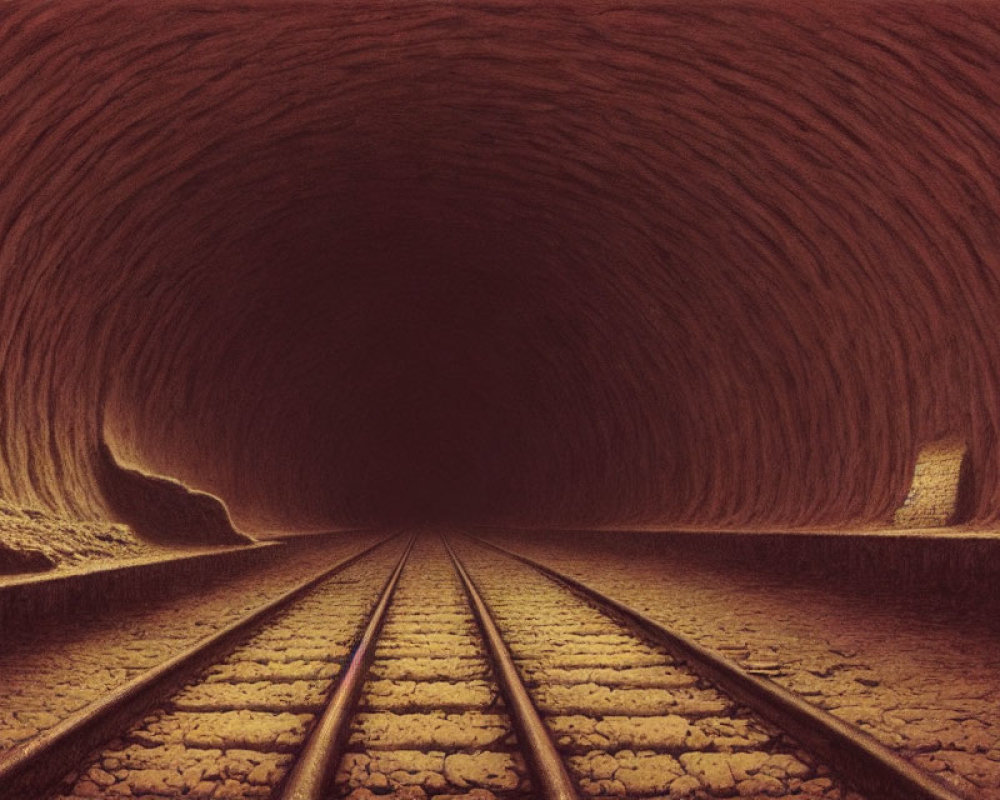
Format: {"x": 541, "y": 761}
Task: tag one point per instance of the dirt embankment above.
{"x": 33, "y": 541}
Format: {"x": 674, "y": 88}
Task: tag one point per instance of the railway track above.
{"x": 432, "y": 669}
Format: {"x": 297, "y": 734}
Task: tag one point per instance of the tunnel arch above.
{"x": 535, "y": 264}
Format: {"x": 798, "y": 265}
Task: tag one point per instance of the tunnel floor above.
{"x": 922, "y": 679}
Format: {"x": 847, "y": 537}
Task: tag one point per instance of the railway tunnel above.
{"x": 692, "y": 304}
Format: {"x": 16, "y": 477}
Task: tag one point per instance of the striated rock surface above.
{"x": 713, "y": 263}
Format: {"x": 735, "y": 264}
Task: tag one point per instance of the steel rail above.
{"x": 551, "y": 780}
{"x": 870, "y": 765}
{"x": 314, "y": 770}
{"x": 33, "y": 767}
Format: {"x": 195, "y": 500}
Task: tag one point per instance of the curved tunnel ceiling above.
{"x": 337, "y": 264}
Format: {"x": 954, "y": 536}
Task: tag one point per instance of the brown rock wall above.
{"x": 725, "y": 263}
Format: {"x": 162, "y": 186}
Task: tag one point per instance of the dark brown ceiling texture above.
{"x": 588, "y": 263}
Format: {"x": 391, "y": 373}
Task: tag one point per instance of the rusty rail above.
{"x": 551, "y": 779}
{"x": 871, "y": 766}
{"x": 33, "y": 767}
{"x": 313, "y": 773}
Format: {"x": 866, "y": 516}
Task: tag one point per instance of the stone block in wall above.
{"x": 934, "y": 492}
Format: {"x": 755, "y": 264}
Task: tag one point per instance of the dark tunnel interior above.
{"x": 578, "y": 264}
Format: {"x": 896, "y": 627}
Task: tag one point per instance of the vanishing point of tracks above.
{"x": 430, "y": 668}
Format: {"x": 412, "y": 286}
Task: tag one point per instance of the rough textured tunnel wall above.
{"x": 720, "y": 263}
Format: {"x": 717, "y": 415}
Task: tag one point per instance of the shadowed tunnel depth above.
{"x": 724, "y": 263}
